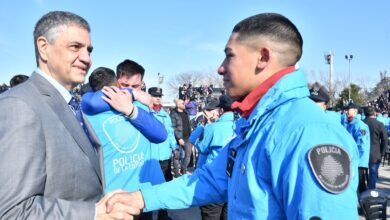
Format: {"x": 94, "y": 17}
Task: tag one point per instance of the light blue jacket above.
{"x": 382, "y": 119}
{"x": 361, "y": 134}
{"x": 165, "y": 148}
{"x": 216, "y": 136}
{"x": 333, "y": 115}
{"x": 271, "y": 177}
{"x": 197, "y": 135}
{"x": 129, "y": 160}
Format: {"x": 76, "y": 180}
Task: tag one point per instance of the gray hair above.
{"x": 48, "y": 26}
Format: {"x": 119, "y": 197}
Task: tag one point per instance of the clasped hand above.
{"x": 120, "y": 204}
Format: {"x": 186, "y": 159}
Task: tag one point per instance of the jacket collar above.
{"x": 248, "y": 104}
{"x": 161, "y": 113}
{"x": 289, "y": 87}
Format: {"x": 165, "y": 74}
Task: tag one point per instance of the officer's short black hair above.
{"x": 101, "y": 77}
{"x": 17, "y": 79}
{"x": 369, "y": 111}
{"x": 276, "y": 28}
{"x": 129, "y": 68}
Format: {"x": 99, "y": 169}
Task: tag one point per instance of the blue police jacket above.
{"x": 129, "y": 160}
{"x": 287, "y": 161}
{"x": 333, "y": 115}
{"x": 196, "y": 136}
{"x": 145, "y": 122}
{"x": 361, "y": 134}
{"x": 381, "y": 118}
{"x": 165, "y": 148}
{"x": 216, "y": 136}
{"x": 343, "y": 118}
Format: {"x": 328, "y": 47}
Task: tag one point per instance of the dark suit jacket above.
{"x": 378, "y": 139}
{"x": 49, "y": 168}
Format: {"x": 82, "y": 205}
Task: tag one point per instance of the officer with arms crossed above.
{"x": 278, "y": 166}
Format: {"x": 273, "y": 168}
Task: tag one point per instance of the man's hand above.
{"x": 120, "y": 100}
{"x": 119, "y": 211}
{"x": 143, "y": 98}
{"x": 134, "y": 201}
{"x": 181, "y": 142}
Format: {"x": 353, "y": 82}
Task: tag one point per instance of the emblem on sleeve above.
{"x": 363, "y": 132}
{"x": 331, "y": 165}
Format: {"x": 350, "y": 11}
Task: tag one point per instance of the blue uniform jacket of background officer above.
{"x": 271, "y": 177}
{"x": 361, "y": 133}
{"x": 129, "y": 160}
{"x": 216, "y": 136}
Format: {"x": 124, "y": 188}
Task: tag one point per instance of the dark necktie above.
{"x": 76, "y": 108}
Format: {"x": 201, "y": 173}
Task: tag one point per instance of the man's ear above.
{"x": 263, "y": 58}
{"x": 42, "y": 45}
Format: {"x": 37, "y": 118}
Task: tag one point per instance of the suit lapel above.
{"x": 66, "y": 116}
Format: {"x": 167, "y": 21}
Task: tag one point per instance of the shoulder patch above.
{"x": 363, "y": 132}
{"x": 331, "y": 165}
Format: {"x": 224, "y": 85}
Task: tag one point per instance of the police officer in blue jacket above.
{"x": 165, "y": 148}
{"x": 215, "y": 137}
{"x": 320, "y": 96}
{"x": 277, "y": 166}
{"x": 361, "y": 134}
{"x": 128, "y": 157}
{"x": 209, "y": 115}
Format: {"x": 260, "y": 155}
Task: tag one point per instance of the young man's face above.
{"x": 133, "y": 82}
{"x": 239, "y": 68}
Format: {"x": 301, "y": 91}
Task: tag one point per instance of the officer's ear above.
{"x": 264, "y": 56}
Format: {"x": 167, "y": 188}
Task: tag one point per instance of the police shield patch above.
{"x": 331, "y": 166}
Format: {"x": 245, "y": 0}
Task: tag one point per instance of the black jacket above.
{"x": 378, "y": 139}
{"x": 177, "y": 124}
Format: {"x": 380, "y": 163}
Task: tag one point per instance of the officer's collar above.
{"x": 246, "y": 106}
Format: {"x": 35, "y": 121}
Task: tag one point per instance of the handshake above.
{"x": 119, "y": 204}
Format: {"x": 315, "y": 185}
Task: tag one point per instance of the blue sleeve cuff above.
{"x": 149, "y": 126}
{"x": 151, "y": 198}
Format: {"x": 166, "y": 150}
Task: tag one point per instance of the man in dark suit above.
{"x": 378, "y": 140}
{"x": 50, "y": 167}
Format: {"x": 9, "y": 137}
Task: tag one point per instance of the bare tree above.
{"x": 340, "y": 82}
{"x": 196, "y": 78}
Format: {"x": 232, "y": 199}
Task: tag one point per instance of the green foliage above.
{"x": 357, "y": 96}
